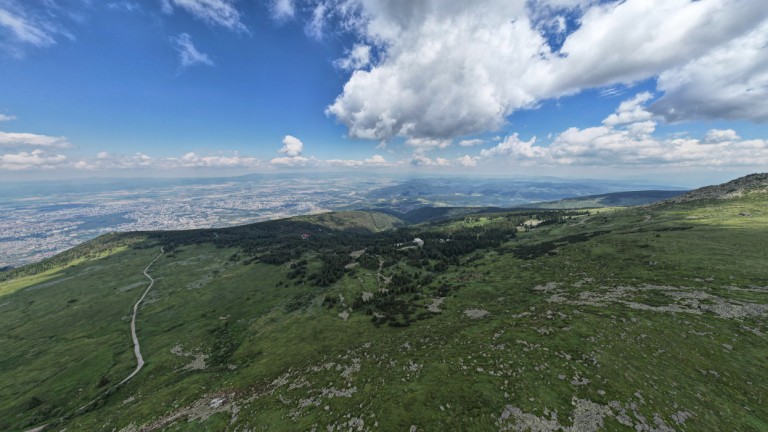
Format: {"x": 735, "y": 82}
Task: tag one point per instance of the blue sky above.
{"x": 584, "y": 88}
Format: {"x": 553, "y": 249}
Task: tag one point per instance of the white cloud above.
{"x": 291, "y": 161}
{"x": 665, "y": 34}
{"x": 471, "y": 143}
{"x": 188, "y": 54}
{"x": 359, "y": 57}
{"x": 316, "y": 25}
{"x": 292, "y": 149}
{"x": 730, "y": 82}
{"x": 424, "y": 144}
{"x": 468, "y": 161}
{"x": 515, "y": 148}
{"x": 625, "y": 143}
{"x": 292, "y": 146}
{"x": 721, "y": 135}
{"x": 16, "y": 139}
{"x": 373, "y": 161}
{"x": 5, "y": 117}
{"x": 419, "y": 159}
{"x": 127, "y": 6}
{"x": 448, "y": 70}
{"x": 214, "y": 12}
{"x": 630, "y": 111}
{"x": 453, "y": 68}
{"x": 25, "y": 30}
{"x": 36, "y": 159}
{"x": 283, "y": 9}
{"x": 107, "y": 161}
{"x": 193, "y": 160}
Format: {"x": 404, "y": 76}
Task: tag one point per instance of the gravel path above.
{"x": 136, "y": 346}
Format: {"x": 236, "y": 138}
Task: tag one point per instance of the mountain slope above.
{"x": 753, "y": 183}
{"x": 607, "y": 319}
{"x": 614, "y": 199}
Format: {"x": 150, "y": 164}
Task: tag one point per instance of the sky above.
{"x": 654, "y": 89}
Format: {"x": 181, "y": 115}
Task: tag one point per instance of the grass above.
{"x": 559, "y": 330}
{"x": 354, "y": 221}
{"x": 8, "y": 287}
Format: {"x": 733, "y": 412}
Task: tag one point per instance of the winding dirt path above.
{"x": 136, "y": 346}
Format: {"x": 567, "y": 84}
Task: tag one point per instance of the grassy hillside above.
{"x": 649, "y": 318}
{"x": 360, "y": 221}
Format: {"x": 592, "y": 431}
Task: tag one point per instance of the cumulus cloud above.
{"x": 359, "y": 57}
{"x": 16, "y": 139}
{"x": 467, "y": 161}
{"x": 630, "y": 111}
{"x": 730, "y": 82}
{"x": 36, "y": 159}
{"x": 108, "y": 161}
{"x": 292, "y": 146}
{"x": 666, "y": 34}
{"x": 419, "y": 159}
{"x": 292, "y": 149}
{"x": 422, "y": 160}
{"x": 373, "y": 161}
{"x": 450, "y": 69}
{"x": 295, "y": 161}
{"x": 213, "y": 12}
{"x": 193, "y": 160}
{"x": 453, "y": 68}
{"x": 188, "y": 54}
{"x": 515, "y": 148}
{"x": 424, "y": 144}
{"x": 721, "y": 135}
{"x": 471, "y": 143}
{"x": 630, "y": 142}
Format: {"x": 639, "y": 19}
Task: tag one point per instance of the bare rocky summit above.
{"x": 733, "y": 189}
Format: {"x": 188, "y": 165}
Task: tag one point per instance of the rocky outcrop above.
{"x": 753, "y": 183}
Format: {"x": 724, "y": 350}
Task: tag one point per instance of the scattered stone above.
{"x": 476, "y": 313}
{"x": 549, "y": 286}
{"x": 435, "y": 306}
{"x": 579, "y": 381}
{"x": 682, "y": 301}
{"x": 681, "y": 416}
{"x": 198, "y": 358}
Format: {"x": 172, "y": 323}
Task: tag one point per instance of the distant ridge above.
{"x": 753, "y": 183}
{"x": 613, "y": 199}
